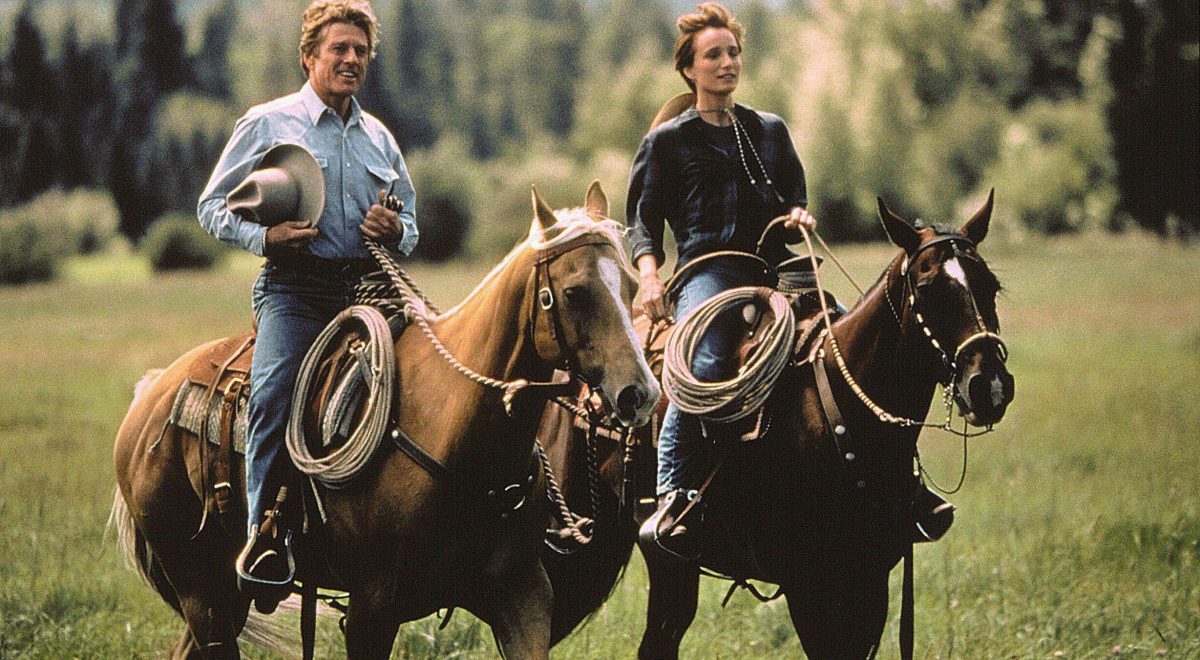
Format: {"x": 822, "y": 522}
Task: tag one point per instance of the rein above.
{"x": 950, "y": 389}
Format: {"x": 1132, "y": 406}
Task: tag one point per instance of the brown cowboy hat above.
{"x": 674, "y": 108}
{"x": 287, "y": 185}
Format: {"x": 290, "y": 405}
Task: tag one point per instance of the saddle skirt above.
{"x": 213, "y": 379}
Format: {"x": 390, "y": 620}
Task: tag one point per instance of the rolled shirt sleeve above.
{"x": 403, "y": 188}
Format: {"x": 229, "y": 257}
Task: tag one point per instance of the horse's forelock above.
{"x": 571, "y": 223}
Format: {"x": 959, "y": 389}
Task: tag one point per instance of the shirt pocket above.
{"x": 384, "y": 174}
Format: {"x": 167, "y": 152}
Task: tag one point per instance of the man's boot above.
{"x": 932, "y": 515}
{"x": 667, "y": 529}
{"x": 265, "y": 567}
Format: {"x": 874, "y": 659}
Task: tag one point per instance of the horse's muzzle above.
{"x": 635, "y": 403}
{"x": 984, "y": 397}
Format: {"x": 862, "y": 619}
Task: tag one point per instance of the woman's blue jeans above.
{"x": 683, "y": 454}
{"x": 291, "y": 307}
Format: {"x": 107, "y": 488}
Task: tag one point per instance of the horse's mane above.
{"x": 572, "y": 223}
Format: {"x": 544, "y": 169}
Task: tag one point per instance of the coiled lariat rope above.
{"x": 375, "y": 372}
{"x": 745, "y": 393}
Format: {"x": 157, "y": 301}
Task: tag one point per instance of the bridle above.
{"x": 950, "y": 362}
{"x": 544, "y": 325}
{"x": 951, "y": 390}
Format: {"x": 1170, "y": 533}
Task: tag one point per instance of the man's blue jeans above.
{"x": 682, "y": 451}
{"x": 291, "y": 308}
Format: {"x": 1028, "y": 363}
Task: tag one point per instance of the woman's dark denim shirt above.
{"x": 679, "y": 177}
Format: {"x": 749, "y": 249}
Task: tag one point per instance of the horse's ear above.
{"x": 595, "y": 202}
{"x": 976, "y": 228}
{"x": 541, "y": 212}
{"x": 898, "y": 230}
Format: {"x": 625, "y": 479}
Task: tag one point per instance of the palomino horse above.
{"x": 403, "y": 540}
{"x": 823, "y": 513}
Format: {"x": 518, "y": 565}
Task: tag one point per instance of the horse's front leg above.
{"x": 674, "y": 592}
{"x": 372, "y": 619}
{"x": 840, "y": 618}
{"x": 518, "y": 607}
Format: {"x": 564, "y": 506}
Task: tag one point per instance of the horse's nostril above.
{"x": 979, "y": 391}
{"x": 630, "y": 400}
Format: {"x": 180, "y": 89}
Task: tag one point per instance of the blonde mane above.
{"x": 571, "y": 224}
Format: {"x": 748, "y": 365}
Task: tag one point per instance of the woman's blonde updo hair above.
{"x": 323, "y": 12}
{"x": 707, "y": 14}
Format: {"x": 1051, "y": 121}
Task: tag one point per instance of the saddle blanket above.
{"x": 193, "y": 404}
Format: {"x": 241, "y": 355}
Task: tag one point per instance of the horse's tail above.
{"x": 271, "y": 633}
{"x": 147, "y": 380}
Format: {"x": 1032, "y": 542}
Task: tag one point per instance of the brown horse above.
{"x": 824, "y": 514}
{"x": 405, "y": 540}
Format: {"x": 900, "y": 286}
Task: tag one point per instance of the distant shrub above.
{"x": 447, "y": 187}
{"x": 85, "y": 219}
{"x": 28, "y": 253}
{"x": 176, "y": 241}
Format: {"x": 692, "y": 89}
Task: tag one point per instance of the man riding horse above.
{"x": 265, "y": 196}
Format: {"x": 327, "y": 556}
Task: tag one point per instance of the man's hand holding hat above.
{"x": 293, "y": 234}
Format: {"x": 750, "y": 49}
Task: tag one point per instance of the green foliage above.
{"x": 445, "y": 199}
{"x": 28, "y": 253}
{"x": 35, "y": 237}
{"x": 924, "y": 103}
{"x": 176, "y": 241}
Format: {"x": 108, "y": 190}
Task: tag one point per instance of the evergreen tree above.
{"x": 1155, "y": 114}
{"x": 150, "y": 65}
{"x": 423, "y": 61}
{"x": 211, "y": 63}
{"x": 32, "y": 156}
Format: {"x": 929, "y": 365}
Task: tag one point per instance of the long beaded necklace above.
{"x": 739, "y": 132}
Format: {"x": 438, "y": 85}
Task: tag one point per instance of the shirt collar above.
{"x": 315, "y": 107}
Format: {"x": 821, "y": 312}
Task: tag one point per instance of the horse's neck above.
{"x": 883, "y": 357}
{"x": 488, "y": 330}
{"x": 486, "y": 334}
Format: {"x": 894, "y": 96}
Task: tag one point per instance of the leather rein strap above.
{"x": 844, "y": 444}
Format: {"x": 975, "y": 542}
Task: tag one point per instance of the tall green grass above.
{"x": 1079, "y": 523}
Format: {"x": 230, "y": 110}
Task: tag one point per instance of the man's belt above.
{"x": 314, "y": 265}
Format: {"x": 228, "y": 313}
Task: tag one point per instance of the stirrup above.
{"x": 245, "y": 573}
{"x": 932, "y": 516}
{"x": 664, "y": 531}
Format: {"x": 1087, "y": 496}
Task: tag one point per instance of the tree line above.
{"x": 1080, "y": 111}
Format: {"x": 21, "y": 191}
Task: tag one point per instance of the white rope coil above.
{"x": 367, "y": 387}
{"x": 745, "y": 393}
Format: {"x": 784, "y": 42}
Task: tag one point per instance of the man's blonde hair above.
{"x": 323, "y": 12}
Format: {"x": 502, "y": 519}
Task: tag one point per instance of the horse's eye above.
{"x": 575, "y": 295}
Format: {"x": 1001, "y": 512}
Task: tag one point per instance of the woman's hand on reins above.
{"x": 800, "y": 216}
{"x": 653, "y": 294}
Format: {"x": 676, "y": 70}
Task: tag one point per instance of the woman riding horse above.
{"x": 717, "y": 174}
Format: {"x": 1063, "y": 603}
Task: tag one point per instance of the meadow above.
{"x": 1078, "y": 533}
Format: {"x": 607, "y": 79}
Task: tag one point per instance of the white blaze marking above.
{"x": 997, "y": 392}
{"x": 955, "y": 271}
{"x": 610, "y": 274}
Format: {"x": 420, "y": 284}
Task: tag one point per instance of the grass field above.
{"x": 1078, "y": 533}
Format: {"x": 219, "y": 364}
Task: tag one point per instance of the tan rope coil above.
{"x": 745, "y": 393}
{"x": 376, "y": 373}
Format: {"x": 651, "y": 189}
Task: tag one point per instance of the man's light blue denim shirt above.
{"x": 359, "y": 158}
